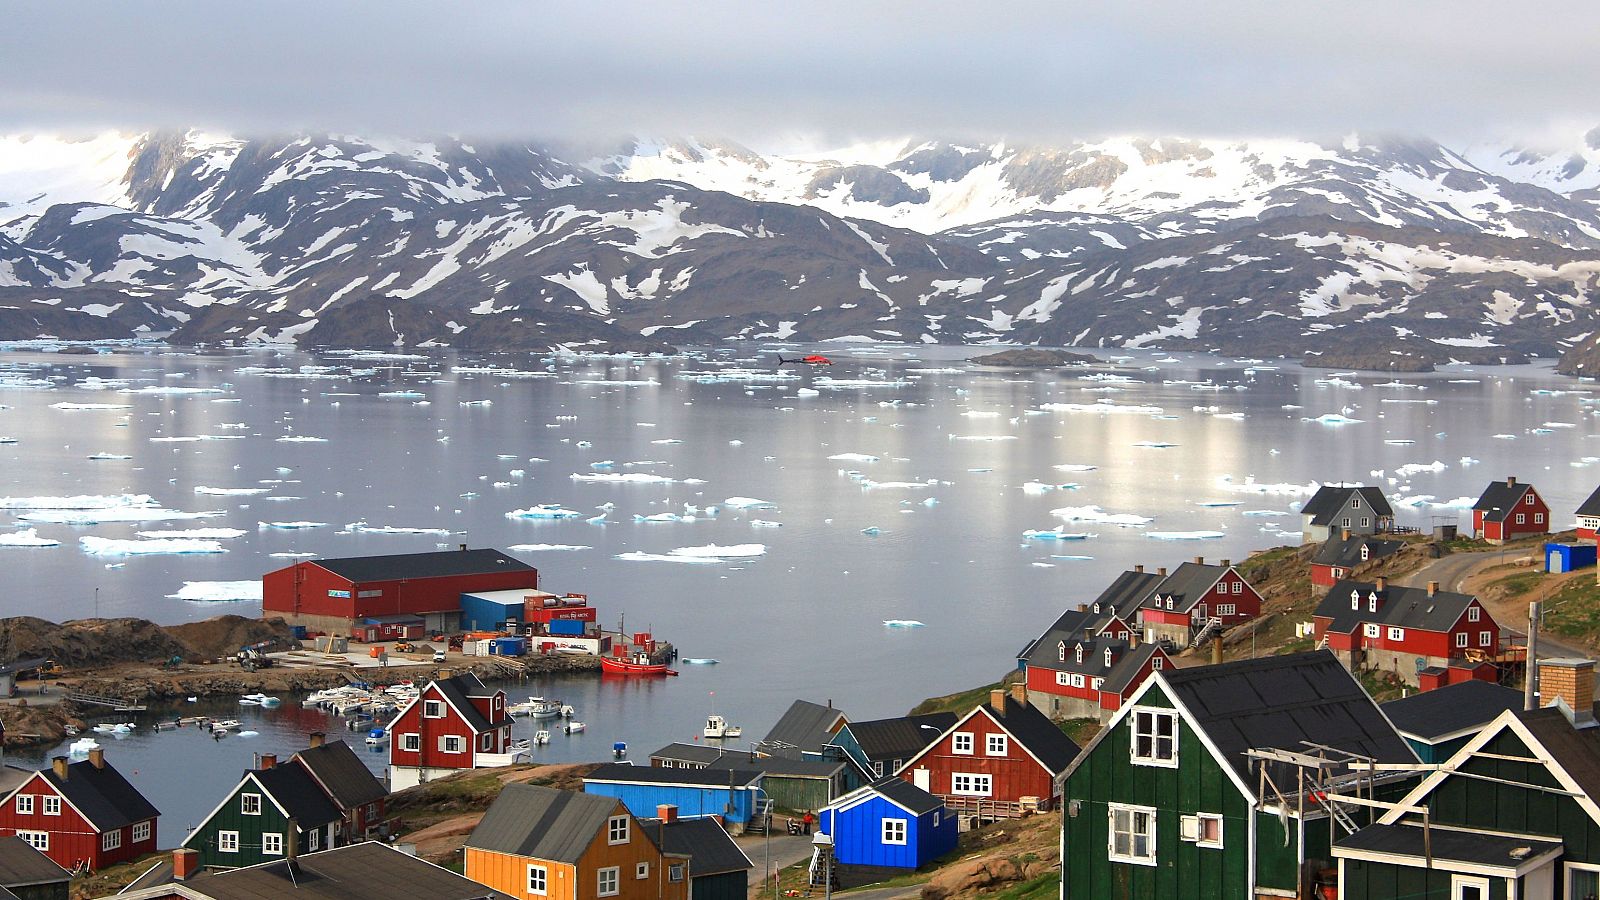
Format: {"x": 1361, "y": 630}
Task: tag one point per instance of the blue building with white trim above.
{"x": 889, "y": 824}
{"x": 697, "y": 793}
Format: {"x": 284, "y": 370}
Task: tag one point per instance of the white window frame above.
{"x": 961, "y": 743}
{"x": 610, "y": 875}
{"x": 894, "y": 832}
{"x": 272, "y": 843}
{"x": 1396, "y": 633}
{"x": 1366, "y": 522}
{"x": 1461, "y": 640}
{"x": 877, "y": 768}
{"x": 1479, "y": 882}
{"x": 227, "y": 842}
{"x": 1473, "y": 613}
{"x": 538, "y": 880}
{"x": 313, "y": 840}
{"x": 1566, "y": 874}
{"x": 24, "y": 804}
{"x": 1538, "y": 518}
{"x": 1372, "y": 629}
{"x": 141, "y": 831}
{"x": 1528, "y": 499}
{"x": 51, "y": 805}
{"x": 447, "y": 740}
{"x": 1077, "y": 680}
{"x": 249, "y": 804}
{"x": 1202, "y": 840}
{"x": 1372, "y": 603}
{"x": 1137, "y": 732}
{"x": 433, "y": 709}
{"x": 38, "y": 840}
{"x": 1063, "y": 679}
{"x": 675, "y": 872}
{"x": 617, "y": 830}
{"x": 996, "y": 745}
{"x": 971, "y": 784}
{"x": 1227, "y": 609}
{"x": 1522, "y": 519}
{"x": 1130, "y": 811}
{"x": 1485, "y": 639}
{"x": 1355, "y": 598}
{"x": 411, "y": 743}
{"x": 1156, "y": 662}
{"x": 641, "y": 871}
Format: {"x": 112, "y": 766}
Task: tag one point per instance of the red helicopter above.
{"x": 813, "y": 360}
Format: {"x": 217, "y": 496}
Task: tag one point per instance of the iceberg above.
{"x": 1096, "y": 514}
{"x": 107, "y": 516}
{"x": 1183, "y": 535}
{"x": 301, "y": 439}
{"x": 218, "y": 591}
{"x": 854, "y": 457}
{"x": 732, "y": 551}
{"x": 1074, "y": 467}
{"x": 748, "y": 503}
{"x": 1333, "y": 419}
{"x": 101, "y": 456}
{"x": 214, "y": 534}
{"x": 640, "y": 556}
{"x": 544, "y": 511}
{"x": 901, "y": 623}
{"x": 82, "y": 501}
{"x": 364, "y": 528}
{"x": 1104, "y": 408}
{"x": 537, "y": 548}
{"x": 27, "y": 537}
{"x": 763, "y": 523}
{"x": 231, "y": 492}
{"x": 290, "y": 525}
{"x": 99, "y": 546}
{"x": 630, "y": 478}
{"x": 75, "y": 407}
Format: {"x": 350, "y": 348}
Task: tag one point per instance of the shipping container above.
{"x": 567, "y": 627}
{"x": 508, "y": 646}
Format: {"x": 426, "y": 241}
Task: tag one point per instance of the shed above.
{"x": 697, "y": 793}
{"x": 492, "y": 610}
{"x": 1567, "y": 557}
{"x": 889, "y": 824}
{"x": 796, "y": 784}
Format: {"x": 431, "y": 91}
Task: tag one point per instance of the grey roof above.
{"x": 626, "y": 773}
{"x": 1591, "y": 506}
{"x": 805, "y": 726}
{"x": 1500, "y": 499}
{"x": 907, "y": 795}
{"x": 1036, "y": 733}
{"x": 342, "y": 774}
{"x": 1331, "y": 498}
{"x": 460, "y": 689}
{"x": 777, "y": 766}
{"x": 1127, "y": 593}
{"x": 22, "y": 665}
{"x": 1451, "y": 709}
{"x": 299, "y": 794}
{"x": 1503, "y": 850}
{"x": 21, "y": 865}
{"x": 438, "y": 564}
{"x": 1278, "y": 702}
{"x": 696, "y": 753}
{"x": 364, "y": 871}
{"x": 1347, "y": 553}
{"x": 1126, "y": 666}
{"x": 710, "y": 850}
{"x": 542, "y": 822}
{"x": 1577, "y": 752}
{"x": 1405, "y": 607}
{"x": 1188, "y": 583}
{"x": 102, "y": 794}
{"x": 886, "y": 740}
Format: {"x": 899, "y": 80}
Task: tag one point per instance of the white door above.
{"x": 919, "y": 777}
{"x": 1540, "y": 884}
{"x": 1469, "y": 887}
{"x": 1555, "y": 562}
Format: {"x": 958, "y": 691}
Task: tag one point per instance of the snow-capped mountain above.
{"x": 1262, "y": 247}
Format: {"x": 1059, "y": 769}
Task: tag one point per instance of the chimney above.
{"x": 269, "y": 760}
{"x": 1511, "y": 481}
{"x": 1199, "y": 560}
{"x": 1382, "y": 584}
{"x": 667, "y": 813}
{"x": 1139, "y": 568}
{"x": 1019, "y": 692}
{"x": 1083, "y": 607}
{"x": 97, "y": 758}
{"x": 1346, "y": 534}
{"x": 1433, "y": 588}
{"x": 1133, "y": 638}
{"x": 1162, "y": 571}
{"x": 59, "y": 764}
{"x": 997, "y": 699}
{"x": 185, "y": 862}
{"x": 1226, "y": 563}
{"x": 291, "y": 839}
{"x": 463, "y": 548}
{"x": 1571, "y": 682}
{"x": 318, "y": 738}
{"x": 1216, "y": 650}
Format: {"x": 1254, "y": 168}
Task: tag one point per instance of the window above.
{"x": 970, "y": 785}
{"x": 250, "y": 804}
{"x": 1538, "y": 518}
{"x": 452, "y": 743}
{"x": 1227, "y": 609}
{"x": 641, "y": 871}
{"x": 1365, "y": 523}
{"x": 877, "y": 768}
{"x": 313, "y": 840}
{"x": 228, "y": 842}
{"x": 487, "y": 742}
{"x": 538, "y": 880}
{"x": 1063, "y": 679}
{"x": 961, "y": 742}
{"x": 1078, "y": 654}
{"x": 1355, "y": 502}
{"x": 1096, "y": 683}
{"x": 1156, "y": 661}
{"x": 1529, "y": 499}
{"x": 1169, "y": 603}
{"x": 1475, "y": 887}
{"x": 607, "y": 880}
{"x": 1396, "y": 634}
{"x": 1372, "y": 603}
{"x": 1461, "y": 639}
{"x": 1485, "y": 639}
{"x": 272, "y": 843}
{"x": 1582, "y": 880}
{"x": 1061, "y": 651}
{"x": 1339, "y": 573}
{"x": 1521, "y": 519}
{"x": 995, "y": 745}
{"x": 433, "y": 709}
{"x": 1371, "y": 629}
{"x": 1347, "y": 522}
{"x": 617, "y": 830}
{"x": 1077, "y": 680}
{"x": 894, "y": 831}
{"x": 675, "y": 872}
{"x": 1204, "y": 830}
{"x": 412, "y": 742}
{"x": 1155, "y": 737}
{"x": 52, "y": 805}
{"x": 1366, "y": 553}
{"x": 24, "y": 804}
{"x": 1473, "y": 613}
{"x": 1108, "y": 657}
{"x": 1133, "y": 834}
{"x": 141, "y": 831}
{"x": 38, "y": 840}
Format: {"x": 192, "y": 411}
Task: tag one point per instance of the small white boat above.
{"x": 376, "y": 737}
{"x": 567, "y": 711}
{"x": 541, "y": 737}
{"x": 224, "y": 724}
{"x": 82, "y": 746}
{"x": 191, "y": 699}
{"x": 545, "y": 709}
{"x": 717, "y": 727}
{"x": 575, "y": 727}
{"x": 259, "y": 700}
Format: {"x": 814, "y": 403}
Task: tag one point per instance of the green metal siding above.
{"x": 798, "y": 794}
{"x": 1277, "y": 851}
{"x": 229, "y": 818}
{"x": 1382, "y": 881}
{"x": 727, "y": 886}
{"x": 1183, "y": 869}
{"x": 54, "y": 891}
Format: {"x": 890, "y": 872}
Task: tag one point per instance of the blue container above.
{"x": 299, "y": 632}
{"x": 569, "y": 627}
{"x": 508, "y": 646}
{"x": 1567, "y": 557}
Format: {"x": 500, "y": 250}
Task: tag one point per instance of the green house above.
{"x": 1511, "y": 816}
{"x": 270, "y": 807}
{"x": 1174, "y": 799}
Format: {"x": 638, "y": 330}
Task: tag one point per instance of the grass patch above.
{"x": 962, "y": 702}
{"x": 1574, "y": 611}
{"x": 1382, "y": 686}
{"x": 1299, "y": 645}
{"x": 1082, "y": 731}
{"x": 1041, "y": 888}
{"x": 1258, "y": 565}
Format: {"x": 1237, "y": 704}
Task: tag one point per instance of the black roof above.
{"x": 710, "y": 850}
{"x": 1576, "y": 751}
{"x": 886, "y": 740}
{"x": 907, "y": 795}
{"x": 437, "y": 564}
{"x": 1591, "y": 506}
{"x": 1451, "y": 709}
{"x": 631, "y": 774}
{"x": 23, "y": 665}
{"x": 542, "y": 822}
{"x": 1278, "y": 702}
{"x": 1127, "y": 593}
{"x": 1406, "y": 607}
{"x": 1500, "y": 499}
{"x": 1037, "y": 734}
{"x": 21, "y": 865}
{"x": 1126, "y": 666}
{"x": 697, "y": 753}
{"x": 1188, "y": 583}
{"x": 1331, "y": 498}
{"x": 363, "y": 871}
{"x": 298, "y": 793}
{"x": 102, "y": 795}
{"x": 460, "y": 689}
{"x": 1346, "y": 553}
{"x": 1405, "y": 839}
{"x": 805, "y": 726}
{"x": 342, "y": 774}
{"x": 776, "y": 765}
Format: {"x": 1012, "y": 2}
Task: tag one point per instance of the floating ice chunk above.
{"x": 477, "y": 403}
{"x": 544, "y": 511}
{"x": 102, "y": 456}
{"x": 854, "y": 457}
{"x": 80, "y": 501}
{"x": 231, "y": 492}
{"x": 1056, "y": 534}
{"x": 763, "y": 523}
{"x": 364, "y": 528}
{"x": 1505, "y": 437}
{"x": 620, "y": 383}
{"x": 902, "y": 623}
{"x": 1153, "y": 445}
{"x": 729, "y": 551}
{"x": 698, "y": 661}
{"x": 807, "y": 392}
{"x": 1469, "y": 461}
{"x": 667, "y": 441}
{"x": 872, "y": 531}
{"x": 219, "y": 591}
{"x": 402, "y": 395}
{"x": 1104, "y": 408}
{"x": 27, "y": 537}
{"x": 1096, "y": 514}
{"x": 1184, "y": 535}
{"x": 291, "y": 555}
{"x": 1251, "y": 486}
{"x": 213, "y": 534}
{"x": 1399, "y": 442}
{"x": 748, "y": 503}
{"x": 1041, "y": 487}
{"x": 1333, "y": 419}
{"x": 663, "y": 517}
{"x": 868, "y": 484}
{"x": 1074, "y": 467}
{"x": 99, "y": 546}
{"x": 292, "y": 525}
{"x": 119, "y": 514}
{"x": 641, "y": 556}
{"x": 160, "y": 390}
{"x": 986, "y": 438}
{"x": 603, "y": 464}
{"x": 1266, "y": 512}
{"x": 538, "y": 548}
{"x": 78, "y": 407}
{"x": 1410, "y": 469}
{"x": 630, "y": 478}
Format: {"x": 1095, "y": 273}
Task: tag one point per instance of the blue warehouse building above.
{"x": 697, "y": 793}
{"x": 889, "y": 824}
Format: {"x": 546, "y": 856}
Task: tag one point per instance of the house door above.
{"x": 919, "y": 777}
{"x": 1555, "y": 562}
{"x": 1469, "y": 887}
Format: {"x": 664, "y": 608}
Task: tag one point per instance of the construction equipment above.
{"x": 51, "y": 667}
{"x": 173, "y": 663}
{"x": 405, "y": 647}
{"x": 254, "y": 656}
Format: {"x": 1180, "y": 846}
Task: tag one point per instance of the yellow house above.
{"x": 539, "y": 842}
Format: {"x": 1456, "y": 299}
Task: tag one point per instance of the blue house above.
{"x": 889, "y": 824}
{"x": 697, "y": 793}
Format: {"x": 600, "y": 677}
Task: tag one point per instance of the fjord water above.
{"x": 806, "y": 619}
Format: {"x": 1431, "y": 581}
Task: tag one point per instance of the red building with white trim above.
{"x": 1338, "y": 557}
{"x": 1194, "y": 595}
{"x": 1079, "y": 677}
{"x": 454, "y": 724}
{"x": 1381, "y": 626}
{"x": 1508, "y": 510}
{"x": 81, "y": 814}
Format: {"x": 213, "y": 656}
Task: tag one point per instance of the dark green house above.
{"x": 718, "y": 869}
{"x": 270, "y": 807}
{"x": 1169, "y": 800}
{"x": 1439, "y": 722}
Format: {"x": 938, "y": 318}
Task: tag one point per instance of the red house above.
{"x": 1002, "y": 759}
{"x": 1077, "y": 677}
{"x": 360, "y": 798}
{"x": 1508, "y": 510}
{"x": 1589, "y": 517}
{"x": 1381, "y": 626}
{"x": 454, "y": 724}
{"x": 81, "y": 815}
{"x": 1338, "y": 557}
{"x": 1194, "y": 597}
{"x": 389, "y": 597}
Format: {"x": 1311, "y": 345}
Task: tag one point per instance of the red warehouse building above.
{"x": 1507, "y": 510}
{"x": 389, "y": 597}
{"x": 455, "y": 724}
{"x": 1404, "y": 630}
{"x": 1002, "y": 759}
{"x": 82, "y": 814}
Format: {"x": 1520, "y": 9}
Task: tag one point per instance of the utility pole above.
{"x": 1531, "y": 668}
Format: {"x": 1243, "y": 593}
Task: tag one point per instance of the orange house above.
{"x": 546, "y": 843}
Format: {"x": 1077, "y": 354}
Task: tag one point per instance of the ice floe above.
{"x": 544, "y": 511}
{"x": 292, "y": 525}
{"x": 1184, "y": 535}
{"x": 902, "y": 623}
{"x": 231, "y": 492}
{"x": 27, "y": 537}
{"x": 1096, "y": 514}
{"x": 219, "y": 591}
{"x": 211, "y": 534}
{"x": 854, "y": 457}
{"x": 99, "y": 546}
{"x": 748, "y": 503}
{"x": 364, "y": 528}
{"x": 539, "y": 548}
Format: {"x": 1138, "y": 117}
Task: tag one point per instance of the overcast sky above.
{"x": 782, "y": 73}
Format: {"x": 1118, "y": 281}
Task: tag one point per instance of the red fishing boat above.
{"x": 640, "y": 664}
